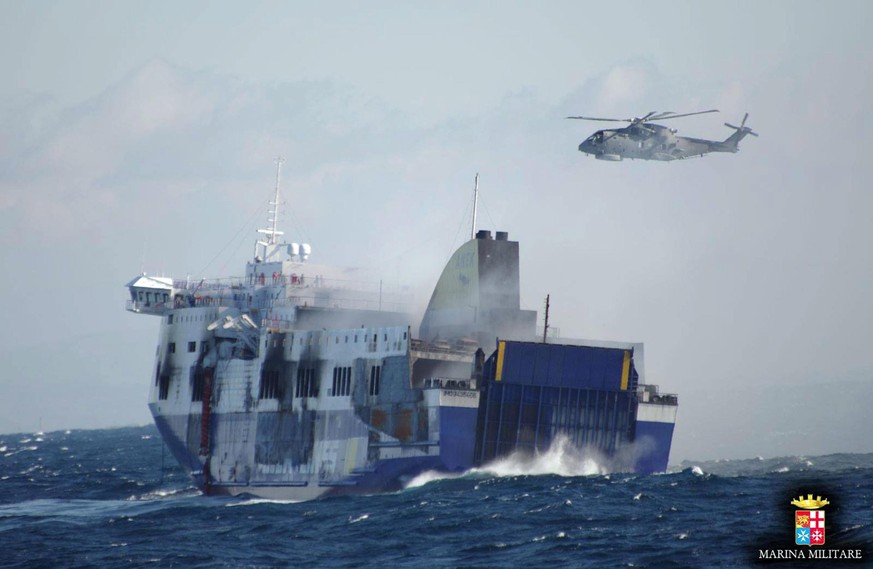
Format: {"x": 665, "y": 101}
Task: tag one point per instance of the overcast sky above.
{"x": 141, "y": 136}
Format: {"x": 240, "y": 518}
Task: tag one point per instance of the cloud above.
{"x": 626, "y": 86}
{"x": 163, "y": 132}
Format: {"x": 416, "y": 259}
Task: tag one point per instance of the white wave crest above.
{"x": 431, "y": 476}
{"x": 562, "y": 458}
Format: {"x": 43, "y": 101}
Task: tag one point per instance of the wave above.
{"x": 562, "y": 458}
{"x": 760, "y": 466}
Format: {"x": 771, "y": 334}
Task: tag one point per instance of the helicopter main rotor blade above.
{"x": 671, "y": 116}
{"x": 658, "y": 116}
{"x": 600, "y": 119}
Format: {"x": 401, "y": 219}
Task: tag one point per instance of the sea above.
{"x": 116, "y": 498}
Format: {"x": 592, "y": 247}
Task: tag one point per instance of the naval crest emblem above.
{"x": 809, "y": 521}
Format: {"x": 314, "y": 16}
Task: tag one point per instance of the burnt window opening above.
{"x": 307, "y": 383}
{"x": 342, "y": 381}
{"x": 164, "y": 387}
{"x": 171, "y": 348}
{"x": 197, "y": 385}
{"x": 169, "y": 319}
{"x": 192, "y": 347}
{"x": 375, "y": 379}
{"x": 270, "y": 386}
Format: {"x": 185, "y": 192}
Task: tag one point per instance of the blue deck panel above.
{"x": 553, "y": 365}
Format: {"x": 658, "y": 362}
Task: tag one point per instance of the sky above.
{"x": 140, "y": 137}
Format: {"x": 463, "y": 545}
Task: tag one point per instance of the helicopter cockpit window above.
{"x": 597, "y": 137}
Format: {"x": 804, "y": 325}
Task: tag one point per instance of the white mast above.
{"x": 275, "y": 202}
{"x": 475, "y": 206}
{"x": 274, "y": 219}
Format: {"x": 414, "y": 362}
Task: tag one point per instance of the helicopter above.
{"x": 644, "y": 140}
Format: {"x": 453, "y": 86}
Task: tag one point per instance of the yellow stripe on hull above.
{"x": 625, "y": 370}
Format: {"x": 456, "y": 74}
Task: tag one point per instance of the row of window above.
{"x": 192, "y": 347}
{"x": 270, "y": 385}
{"x": 307, "y": 384}
{"x": 342, "y": 381}
{"x": 316, "y": 340}
{"x": 201, "y": 317}
{"x": 149, "y": 298}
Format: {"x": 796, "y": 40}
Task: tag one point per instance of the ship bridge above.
{"x": 150, "y": 295}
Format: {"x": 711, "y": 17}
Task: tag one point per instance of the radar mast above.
{"x": 272, "y": 233}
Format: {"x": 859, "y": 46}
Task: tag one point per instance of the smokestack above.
{"x": 502, "y": 236}
{"x": 483, "y": 234}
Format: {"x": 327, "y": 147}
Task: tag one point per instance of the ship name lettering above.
{"x": 453, "y": 393}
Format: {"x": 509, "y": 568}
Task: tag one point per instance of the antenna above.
{"x": 546, "y": 325}
{"x": 475, "y": 205}
{"x": 275, "y": 202}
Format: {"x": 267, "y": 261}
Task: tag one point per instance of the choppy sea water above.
{"x": 102, "y": 499}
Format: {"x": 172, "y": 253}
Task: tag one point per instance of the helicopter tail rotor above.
{"x": 742, "y": 128}
{"x": 731, "y": 143}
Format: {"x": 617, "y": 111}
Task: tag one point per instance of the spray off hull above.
{"x": 292, "y": 384}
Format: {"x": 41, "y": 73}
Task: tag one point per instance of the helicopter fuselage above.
{"x": 647, "y": 142}
{"x": 644, "y": 140}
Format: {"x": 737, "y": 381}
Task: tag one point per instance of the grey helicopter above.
{"x": 644, "y": 140}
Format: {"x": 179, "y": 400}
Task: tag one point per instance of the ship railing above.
{"x": 319, "y": 301}
{"x": 192, "y": 285}
{"x": 294, "y": 280}
{"x": 464, "y": 347}
{"x": 213, "y": 300}
{"x": 553, "y": 332}
{"x": 147, "y": 307}
{"x": 650, "y": 394}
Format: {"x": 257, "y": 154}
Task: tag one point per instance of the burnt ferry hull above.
{"x": 298, "y": 380}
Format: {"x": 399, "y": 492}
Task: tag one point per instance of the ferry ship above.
{"x": 298, "y": 380}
